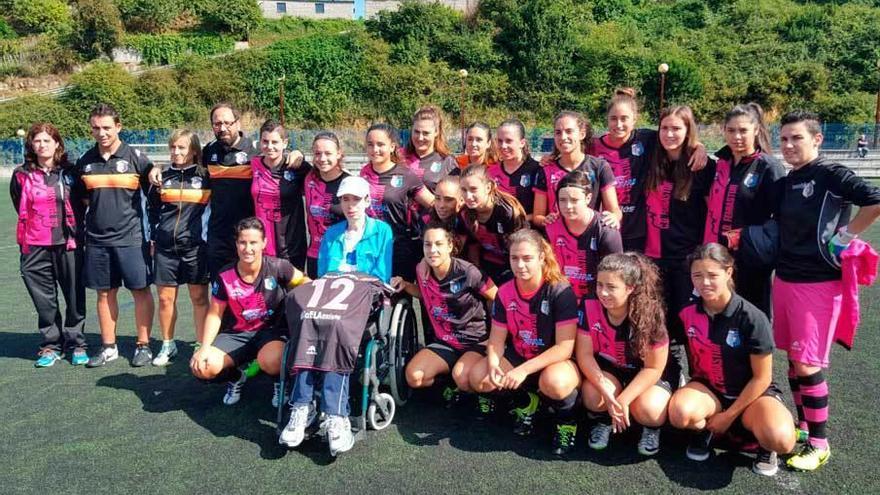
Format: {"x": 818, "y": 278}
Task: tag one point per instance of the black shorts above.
{"x": 738, "y": 436}
{"x": 181, "y": 268}
{"x": 109, "y": 267}
{"x": 728, "y": 400}
{"x": 451, "y": 355}
{"x": 512, "y": 357}
{"x": 243, "y": 347}
{"x": 626, "y": 376}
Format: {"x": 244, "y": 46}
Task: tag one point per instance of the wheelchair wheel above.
{"x": 381, "y": 411}
{"x": 402, "y": 345}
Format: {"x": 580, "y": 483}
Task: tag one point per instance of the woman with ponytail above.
{"x": 515, "y": 174}
{"x": 479, "y": 148}
{"x": 744, "y": 193}
{"x": 427, "y": 153}
{"x": 571, "y": 139}
{"x": 534, "y": 323}
{"x": 622, "y": 349}
{"x": 321, "y": 184}
{"x": 490, "y": 217}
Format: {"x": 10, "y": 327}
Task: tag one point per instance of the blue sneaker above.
{"x": 47, "y": 358}
{"x": 79, "y": 357}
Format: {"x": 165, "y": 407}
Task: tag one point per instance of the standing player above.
{"x": 393, "y": 190}
{"x": 490, "y": 216}
{"x": 246, "y": 317}
{"x": 50, "y": 239}
{"x": 321, "y": 185}
{"x": 808, "y": 295}
{"x": 571, "y": 139}
{"x": 178, "y": 215}
{"x": 478, "y": 146}
{"x": 277, "y": 195}
{"x": 731, "y": 356}
{"x": 455, "y": 293}
{"x": 517, "y": 171}
{"x": 115, "y": 177}
{"x": 579, "y": 239}
{"x": 622, "y": 350}
{"x": 744, "y": 192}
{"x": 427, "y": 153}
{"x": 534, "y": 324}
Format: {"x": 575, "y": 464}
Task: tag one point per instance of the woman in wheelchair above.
{"x": 534, "y": 323}
{"x": 455, "y": 293}
{"x": 247, "y": 308}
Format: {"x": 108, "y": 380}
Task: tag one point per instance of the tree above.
{"x": 148, "y": 16}
{"x": 236, "y": 17}
{"x": 98, "y": 27}
{"x": 41, "y": 16}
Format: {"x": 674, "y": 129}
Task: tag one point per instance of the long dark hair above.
{"x": 393, "y": 136}
{"x": 756, "y": 114}
{"x": 518, "y": 125}
{"x": 435, "y": 115}
{"x": 495, "y": 196}
{"x": 30, "y": 156}
{"x": 677, "y": 171}
{"x": 491, "y": 155}
{"x": 583, "y": 124}
{"x": 713, "y": 251}
{"x": 645, "y": 307}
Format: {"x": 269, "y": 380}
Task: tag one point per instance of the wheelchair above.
{"x": 390, "y": 340}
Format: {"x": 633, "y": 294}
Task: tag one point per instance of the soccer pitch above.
{"x": 120, "y": 429}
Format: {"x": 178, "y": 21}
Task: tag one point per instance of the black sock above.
{"x": 563, "y": 409}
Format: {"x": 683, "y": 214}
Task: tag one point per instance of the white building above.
{"x": 343, "y": 9}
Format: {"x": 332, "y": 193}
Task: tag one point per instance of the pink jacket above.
{"x": 858, "y": 265}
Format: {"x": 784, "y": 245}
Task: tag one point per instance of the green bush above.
{"x": 148, "y": 16}
{"x": 171, "y": 48}
{"x": 21, "y": 113}
{"x": 41, "y": 16}
{"x": 97, "y": 27}
{"x": 209, "y": 81}
{"x": 6, "y": 31}
{"x": 235, "y": 17}
{"x": 102, "y": 83}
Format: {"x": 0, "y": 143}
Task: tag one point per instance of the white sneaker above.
{"x": 233, "y": 391}
{"x": 301, "y": 417}
{"x": 339, "y": 435}
{"x": 276, "y": 394}
{"x": 166, "y": 354}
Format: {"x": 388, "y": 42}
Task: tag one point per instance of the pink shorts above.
{"x": 804, "y": 318}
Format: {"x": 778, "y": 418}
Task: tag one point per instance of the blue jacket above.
{"x": 373, "y": 251}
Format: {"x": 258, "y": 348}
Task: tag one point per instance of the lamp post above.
{"x": 21, "y": 133}
{"x": 877, "y": 111}
{"x": 281, "y": 98}
{"x": 662, "y": 69}
{"x": 462, "y": 74}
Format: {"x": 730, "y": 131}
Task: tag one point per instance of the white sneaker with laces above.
{"x": 166, "y": 354}
{"x": 233, "y": 391}
{"x": 339, "y": 435}
{"x": 300, "y": 418}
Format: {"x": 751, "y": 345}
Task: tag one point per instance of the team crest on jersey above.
{"x": 560, "y": 242}
{"x": 455, "y": 287}
{"x": 215, "y": 288}
{"x": 241, "y": 158}
{"x": 68, "y": 180}
{"x": 270, "y": 283}
{"x": 396, "y": 181}
{"x": 751, "y": 180}
{"x": 436, "y": 167}
{"x": 733, "y": 339}
{"x": 691, "y": 331}
{"x": 545, "y": 307}
{"x": 214, "y": 157}
{"x": 525, "y": 181}
{"x": 593, "y": 244}
{"x": 808, "y": 190}
{"x": 289, "y": 175}
{"x": 500, "y": 228}
{"x": 122, "y": 166}
{"x": 196, "y": 182}
{"x": 637, "y": 149}
{"x": 167, "y": 183}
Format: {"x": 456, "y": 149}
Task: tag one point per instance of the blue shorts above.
{"x": 109, "y": 267}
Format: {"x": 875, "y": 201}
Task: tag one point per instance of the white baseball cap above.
{"x": 356, "y": 186}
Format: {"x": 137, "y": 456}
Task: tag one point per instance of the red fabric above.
{"x": 859, "y": 267}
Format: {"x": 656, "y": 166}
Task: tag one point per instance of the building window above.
{"x": 319, "y": 8}
{"x": 281, "y": 7}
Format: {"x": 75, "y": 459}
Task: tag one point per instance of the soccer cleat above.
{"x": 166, "y": 354}
{"x": 809, "y": 458}
{"x": 649, "y": 444}
{"x": 563, "y": 440}
{"x": 339, "y": 434}
{"x": 276, "y": 394}
{"x": 105, "y": 355}
{"x": 233, "y": 391}
{"x": 79, "y": 357}
{"x": 301, "y": 417}
{"x": 253, "y": 369}
{"x": 523, "y": 416}
{"x": 699, "y": 449}
{"x": 142, "y": 356}
{"x": 766, "y": 463}
{"x": 600, "y": 434}
{"x": 47, "y": 358}
{"x": 485, "y": 407}
{"x": 451, "y": 396}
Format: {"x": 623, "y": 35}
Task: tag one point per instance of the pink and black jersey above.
{"x": 675, "y": 227}
{"x": 630, "y": 164}
{"x": 742, "y": 194}
{"x": 256, "y": 306}
{"x": 456, "y": 304}
{"x": 597, "y": 169}
{"x": 322, "y": 207}
{"x": 611, "y": 343}
{"x": 46, "y": 214}
{"x": 392, "y": 195}
{"x": 531, "y": 320}
{"x": 816, "y": 201}
{"x": 277, "y": 194}
{"x": 579, "y": 255}
{"x": 492, "y": 234}
{"x": 720, "y": 347}
{"x": 520, "y": 183}
{"x": 433, "y": 167}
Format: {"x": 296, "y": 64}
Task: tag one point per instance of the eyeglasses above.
{"x": 221, "y": 124}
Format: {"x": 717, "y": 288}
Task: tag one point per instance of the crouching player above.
{"x": 731, "y": 366}
{"x": 622, "y": 350}
{"x": 245, "y": 319}
{"x": 534, "y": 323}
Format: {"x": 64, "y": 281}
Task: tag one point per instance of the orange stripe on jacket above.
{"x": 199, "y": 196}
{"x": 233, "y": 172}
{"x": 121, "y": 181}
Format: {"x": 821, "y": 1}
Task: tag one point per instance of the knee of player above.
{"x": 779, "y": 438}
{"x": 682, "y": 414}
{"x": 415, "y": 376}
{"x": 555, "y": 386}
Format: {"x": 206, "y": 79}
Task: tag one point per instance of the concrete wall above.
{"x": 332, "y": 10}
